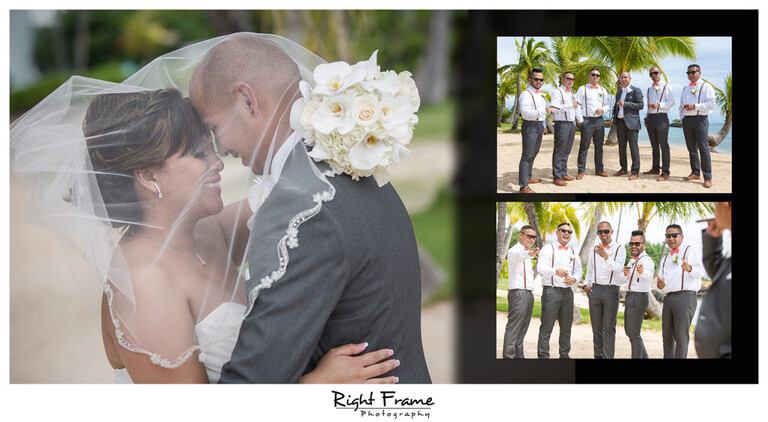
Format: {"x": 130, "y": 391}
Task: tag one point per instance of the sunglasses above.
{"x": 566, "y": 231}
{"x": 570, "y": 79}
{"x": 653, "y": 73}
{"x": 635, "y": 243}
{"x": 603, "y": 231}
{"x": 530, "y": 236}
{"x": 537, "y": 79}
{"x": 691, "y": 72}
{"x": 597, "y": 75}
{"x": 673, "y": 235}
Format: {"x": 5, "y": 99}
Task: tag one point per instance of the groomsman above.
{"x": 661, "y": 99}
{"x": 565, "y": 110}
{"x": 697, "y": 100}
{"x": 594, "y": 102}
{"x": 533, "y": 108}
{"x": 679, "y": 280}
{"x": 638, "y": 275}
{"x": 626, "y": 117}
{"x": 520, "y": 295}
{"x": 560, "y": 267}
{"x": 602, "y": 284}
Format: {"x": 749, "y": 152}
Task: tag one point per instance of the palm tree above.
{"x": 723, "y": 99}
{"x": 531, "y": 54}
{"x": 672, "y": 211}
{"x": 613, "y": 55}
{"x": 505, "y": 88}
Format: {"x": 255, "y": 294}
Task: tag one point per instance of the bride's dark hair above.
{"x": 134, "y": 131}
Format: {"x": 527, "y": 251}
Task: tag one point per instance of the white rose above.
{"x": 409, "y": 89}
{"x": 366, "y": 110}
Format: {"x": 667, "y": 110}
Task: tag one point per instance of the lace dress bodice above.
{"x": 216, "y": 335}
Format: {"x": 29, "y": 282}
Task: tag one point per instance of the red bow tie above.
{"x": 538, "y": 91}
{"x": 563, "y": 247}
{"x": 525, "y": 249}
{"x": 655, "y": 84}
{"x": 692, "y": 84}
{"x": 606, "y": 246}
{"x": 567, "y": 89}
{"x": 674, "y": 251}
{"x": 593, "y": 86}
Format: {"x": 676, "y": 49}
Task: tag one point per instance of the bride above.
{"x": 130, "y": 179}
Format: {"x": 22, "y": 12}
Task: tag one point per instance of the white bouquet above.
{"x": 357, "y": 118}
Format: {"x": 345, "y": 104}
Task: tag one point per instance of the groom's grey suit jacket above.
{"x": 354, "y": 277}
{"x": 633, "y": 103}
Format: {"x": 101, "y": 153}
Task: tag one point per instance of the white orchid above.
{"x": 334, "y": 115}
{"x": 395, "y": 111}
{"x": 369, "y": 152}
{"x": 369, "y": 66}
{"x": 333, "y": 78}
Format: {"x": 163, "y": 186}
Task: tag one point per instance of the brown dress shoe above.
{"x": 693, "y": 177}
{"x": 707, "y": 183}
{"x": 532, "y": 180}
{"x": 526, "y": 190}
{"x": 663, "y": 177}
{"x": 567, "y": 178}
{"x": 633, "y": 176}
{"x": 602, "y": 173}
{"x": 559, "y": 182}
{"x": 652, "y": 171}
{"x": 620, "y": 173}
{"x": 579, "y": 176}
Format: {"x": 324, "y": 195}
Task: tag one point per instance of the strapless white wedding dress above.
{"x": 216, "y": 335}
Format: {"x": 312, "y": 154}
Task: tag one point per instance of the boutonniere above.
{"x": 629, "y": 90}
{"x": 601, "y": 94}
{"x": 632, "y": 261}
{"x": 675, "y": 259}
{"x": 693, "y": 91}
{"x": 571, "y": 258}
{"x": 657, "y": 88}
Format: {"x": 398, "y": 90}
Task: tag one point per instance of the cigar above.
{"x": 706, "y": 220}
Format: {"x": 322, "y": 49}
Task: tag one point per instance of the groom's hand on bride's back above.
{"x": 341, "y": 366}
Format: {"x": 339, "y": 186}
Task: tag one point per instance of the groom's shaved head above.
{"x": 242, "y": 57}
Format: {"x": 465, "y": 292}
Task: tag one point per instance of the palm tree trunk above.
{"x": 501, "y": 111}
{"x": 516, "y": 111}
{"x": 589, "y": 241}
{"x": 501, "y": 222}
{"x": 433, "y": 85}
{"x": 530, "y": 211}
{"x": 716, "y": 139}
{"x": 550, "y": 123}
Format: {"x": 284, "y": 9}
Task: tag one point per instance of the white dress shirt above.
{"x": 675, "y": 279}
{"x": 563, "y": 98}
{"x": 554, "y": 256}
{"x": 636, "y": 282}
{"x": 533, "y": 106}
{"x": 620, "y": 114}
{"x": 663, "y": 95}
{"x": 606, "y": 271}
{"x": 591, "y": 99}
{"x": 520, "y": 266}
{"x": 703, "y": 98}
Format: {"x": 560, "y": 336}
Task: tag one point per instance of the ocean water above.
{"x": 677, "y": 139}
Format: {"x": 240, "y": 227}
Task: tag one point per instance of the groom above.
{"x": 350, "y": 274}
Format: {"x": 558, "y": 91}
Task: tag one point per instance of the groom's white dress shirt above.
{"x": 636, "y": 282}
{"x": 663, "y": 95}
{"x": 533, "y": 106}
{"x": 701, "y": 94}
{"x": 675, "y": 279}
{"x": 592, "y": 98}
{"x": 563, "y": 98}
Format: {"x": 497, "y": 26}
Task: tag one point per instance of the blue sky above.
{"x": 713, "y": 54}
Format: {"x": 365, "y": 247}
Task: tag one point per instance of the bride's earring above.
{"x": 159, "y": 192}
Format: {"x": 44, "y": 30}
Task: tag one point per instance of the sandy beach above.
{"x": 509, "y": 149}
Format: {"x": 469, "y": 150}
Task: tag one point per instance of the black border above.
{"x": 475, "y": 186}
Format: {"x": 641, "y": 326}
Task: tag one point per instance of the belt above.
{"x": 681, "y": 291}
{"x": 555, "y": 287}
{"x": 537, "y": 121}
{"x": 564, "y": 121}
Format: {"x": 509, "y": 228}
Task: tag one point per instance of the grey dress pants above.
{"x": 658, "y": 133}
{"x": 592, "y": 131}
{"x": 518, "y": 319}
{"x": 603, "y": 308}
{"x": 696, "y": 132}
{"x": 635, "y": 305}
{"x": 565, "y": 132}
{"x": 625, "y": 136}
{"x": 556, "y": 304}
{"x": 676, "y": 317}
{"x": 533, "y": 133}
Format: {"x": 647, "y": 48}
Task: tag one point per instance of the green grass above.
{"x": 436, "y": 122}
{"x": 435, "y": 231}
{"x": 502, "y": 306}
